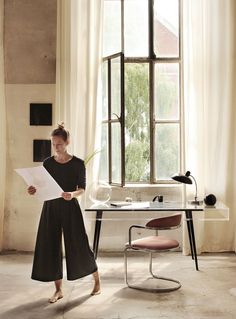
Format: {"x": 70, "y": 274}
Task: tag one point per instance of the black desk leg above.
{"x": 97, "y": 232}
{"x": 189, "y": 233}
{"x": 189, "y": 217}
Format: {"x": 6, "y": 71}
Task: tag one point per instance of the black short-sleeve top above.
{"x": 69, "y": 175}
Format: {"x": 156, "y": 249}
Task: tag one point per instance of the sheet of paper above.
{"x": 138, "y": 205}
{"x": 46, "y": 187}
{"x": 131, "y": 205}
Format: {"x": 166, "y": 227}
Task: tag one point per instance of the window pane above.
{"x": 167, "y": 91}
{"x": 115, "y": 87}
{"x": 103, "y": 169}
{"x": 112, "y": 27}
{"x": 166, "y": 28}
{"x": 136, "y": 28}
{"x": 167, "y": 150}
{"x": 105, "y": 90}
{"x": 137, "y": 140}
{"x": 116, "y": 153}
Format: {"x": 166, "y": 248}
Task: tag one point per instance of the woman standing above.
{"x": 63, "y": 215}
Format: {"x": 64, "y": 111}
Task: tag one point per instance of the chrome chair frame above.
{"x": 153, "y": 276}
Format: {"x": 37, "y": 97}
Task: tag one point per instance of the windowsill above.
{"x": 134, "y": 186}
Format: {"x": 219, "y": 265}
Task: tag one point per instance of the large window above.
{"x": 141, "y": 115}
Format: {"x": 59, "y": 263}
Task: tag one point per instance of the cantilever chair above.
{"x": 153, "y": 244}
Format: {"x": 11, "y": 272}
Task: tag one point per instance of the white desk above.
{"x": 142, "y": 207}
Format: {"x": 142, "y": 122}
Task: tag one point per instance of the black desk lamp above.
{"x": 187, "y": 180}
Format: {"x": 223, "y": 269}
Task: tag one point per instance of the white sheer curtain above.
{"x": 209, "y": 97}
{"x": 2, "y": 127}
{"x": 78, "y": 64}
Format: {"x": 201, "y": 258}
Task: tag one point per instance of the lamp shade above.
{"x": 182, "y": 178}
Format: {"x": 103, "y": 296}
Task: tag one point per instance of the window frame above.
{"x": 120, "y": 118}
{"x": 151, "y": 60}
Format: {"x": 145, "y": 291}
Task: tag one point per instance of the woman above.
{"x": 63, "y": 215}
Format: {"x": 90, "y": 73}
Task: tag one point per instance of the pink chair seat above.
{"x": 154, "y": 243}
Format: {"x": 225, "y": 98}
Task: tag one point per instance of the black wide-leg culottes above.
{"x": 59, "y": 216}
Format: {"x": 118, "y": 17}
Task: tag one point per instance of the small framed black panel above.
{"x": 41, "y": 150}
{"x": 40, "y": 113}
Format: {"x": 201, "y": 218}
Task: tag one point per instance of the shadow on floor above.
{"x": 26, "y": 310}
{"x": 73, "y": 303}
{"x": 42, "y": 309}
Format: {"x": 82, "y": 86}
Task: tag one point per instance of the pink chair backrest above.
{"x": 165, "y": 222}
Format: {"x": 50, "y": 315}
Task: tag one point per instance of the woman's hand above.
{"x": 31, "y": 190}
{"x": 70, "y": 195}
{"x": 67, "y": 195}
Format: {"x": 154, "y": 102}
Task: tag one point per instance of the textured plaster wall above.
{"x": 30, "y": 41}
{"x": 30, "y": 55}
{"x": 22, "y": 211}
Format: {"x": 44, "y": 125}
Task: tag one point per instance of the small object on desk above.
{"x": 210, "y": 200}
{"x": 99, "y": 192}
{"x": 159, "y": 198}
{"x": 120, "y": 204}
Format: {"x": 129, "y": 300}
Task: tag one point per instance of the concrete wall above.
{"x": 30, "y": 73}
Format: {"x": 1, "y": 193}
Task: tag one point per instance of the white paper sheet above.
{"x": 46, "y": 187}
{"x": 130, "y": 205}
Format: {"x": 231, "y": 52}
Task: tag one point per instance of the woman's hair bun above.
{"x": 61, "y": 132}
{"x": 61, "y": 126}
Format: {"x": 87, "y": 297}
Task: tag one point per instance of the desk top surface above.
{"x": 152, "y": 206}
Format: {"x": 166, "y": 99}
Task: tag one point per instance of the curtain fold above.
{"x": 79, "y": 33}
{"x": 209, "y": 99}
{"x": 2, "y": 128}
{"x": 78, "y": 65}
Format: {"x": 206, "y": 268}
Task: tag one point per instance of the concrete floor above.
{"x": 207, "y": 293}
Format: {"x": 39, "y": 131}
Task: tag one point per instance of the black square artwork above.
{"x": 40, "y": 113}
{"x": 42, "y": 150}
